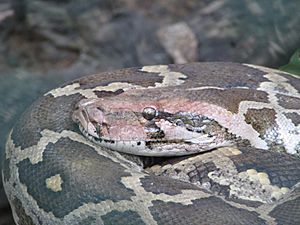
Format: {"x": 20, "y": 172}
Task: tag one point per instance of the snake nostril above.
{"x": 179, "y": 123}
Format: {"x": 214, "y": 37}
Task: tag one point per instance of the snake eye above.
{"x": 149, "y": 113}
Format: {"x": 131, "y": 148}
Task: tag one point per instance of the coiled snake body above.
{"x": 231, "y": 133}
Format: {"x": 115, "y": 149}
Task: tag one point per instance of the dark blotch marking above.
{"x": 46, "y": 113}
{"x": 155, "y": 135}
{"x": 283, "y": 169}
{"x": 204, "y": 211}
{"x": 224, "y": 75}
{"x": 261, "y": 119}
{"x": 288, "y": 102}
{"x": 106, "y": 141}
{"x": 148, "y": 144}
{"x": 130, "y": 75}
{"x": 156, "y": 185}
{"x": 229, "y": 99}
{"x": 152, "y": 144}
{"x": 295, "y": 117}
{"x": 87, "y": 177}
{"x": 230, "y": 76}
{"x": 103, "y": 94}
{"x": 128, "y": 217}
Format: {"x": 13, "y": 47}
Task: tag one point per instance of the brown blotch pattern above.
{"x": 229, "y": 99}
{"x": 261, "y": 119}
{"x": 103, "y": 94}
{"x": 224, "y": 75}
{"x": 131, "y": 75}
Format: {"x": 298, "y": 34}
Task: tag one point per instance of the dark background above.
{"x": 44, "y": 43}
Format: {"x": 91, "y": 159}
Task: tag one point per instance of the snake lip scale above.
{"x": 199, "y": 143}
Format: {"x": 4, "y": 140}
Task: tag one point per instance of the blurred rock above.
{"x": 122, "y": 33}
{"x": 255, "y": 32}
{"x": 126, "y": 40}
{"x": 5, "y": 14}
{"x": 179, "y": 42}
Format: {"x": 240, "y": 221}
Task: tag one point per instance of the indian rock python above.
{"x": 246, "y": 118}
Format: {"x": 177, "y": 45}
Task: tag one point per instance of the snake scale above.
{"x": 215, "y": 143}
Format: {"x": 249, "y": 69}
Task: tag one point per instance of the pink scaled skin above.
{"x": 121, "y": 119}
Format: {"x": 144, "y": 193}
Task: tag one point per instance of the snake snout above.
{"x": 90, "y": 118}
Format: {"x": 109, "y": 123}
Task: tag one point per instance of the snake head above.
{"x": 144, "y": 128}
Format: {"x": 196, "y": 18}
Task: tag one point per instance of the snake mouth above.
{"x": 160, "y": 147}
{"x": 94, "y": 138}
{"x": 151, "y": 148}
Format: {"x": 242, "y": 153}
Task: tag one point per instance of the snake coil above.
{"x": 52, "y": 174}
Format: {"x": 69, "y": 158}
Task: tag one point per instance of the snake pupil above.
{"x": 149, "y": 113}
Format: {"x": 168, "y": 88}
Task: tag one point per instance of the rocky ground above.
{"x": 45, "y": 43}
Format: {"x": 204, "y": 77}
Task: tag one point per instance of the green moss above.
{"x": 294, "y": 64}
